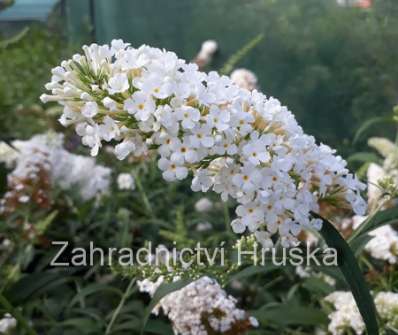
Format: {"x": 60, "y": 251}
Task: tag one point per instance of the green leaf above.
{"x": 370, "y": 123}
{"x": 96, "y": 288}
{"x": 379, "y": 219}
{"x": 84, "y": 325}
{"x": 160, "y": 293}
{"x": 359, "y": 243}
{"x": 14, "y": 39}
{"x": 22, "y": 290}
{"x": 363, "y": 157}
{"x": 159, "y": 327}
{"x": 317, "y": 286}
{"x": 42, "y": 225}
{"x": 230, "y": 64}
{"x": 352, "y": 274}
{"x": 251, "y": 271}
{"x": 331, "y": 271}
{"x": 290, "y": 314}
{"x": 127, "y": 326}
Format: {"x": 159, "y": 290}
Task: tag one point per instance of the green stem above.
{"x": 120, "y": 306}
{"x": 227, "y": 218}
{"x": 144, "y": 197}
{"x": 16, "y": 314}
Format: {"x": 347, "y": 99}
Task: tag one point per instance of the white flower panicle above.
{"x": 28, "y": 184}
{"x": 237, "y": 143}
{"x": 387, "y": 307}
{"x": 200, "y": 308}
{"x": 346, "y": 317}
{"x": 66, "y": 170}
{"x": 204, "y": 205}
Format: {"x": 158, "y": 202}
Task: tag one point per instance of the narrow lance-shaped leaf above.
{"x": 370, "y": 123}
{"x": 352, "y": 274}
{"x": 379, "y": 219}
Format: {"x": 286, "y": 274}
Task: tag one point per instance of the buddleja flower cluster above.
{"x": 384, "y": 244}
{"x": 237, "y": 143}
{"x": 42, "y": 162}
{"x": 200, "y": 308}
{"x": 346, "y": 317}
{"x": 28, "y": 184}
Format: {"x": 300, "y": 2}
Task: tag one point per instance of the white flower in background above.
{"x": 307, "y": 272}
{"x": 209, "y": 47}
{"x": 125, "y": 181}
{"x": 7, "y": 323}
{"x": 387, "y": 174}
{"x": 202, "y": 307}
{"x": 387, "y": 307}
{"x": 384, "y": 244}
{"x": 204, "y": 205}
{"x": 67, "y": 171}
{"x": 5, "y": 244}
{"x": 303, "y": 272}
{"x": 204, "y": 226}
{"x": 7, "y": 154}
{"x": 375, "y": 173}
{"x": 206, "y": 53}
{"x": 238, "y": 227}
{"x": 236, "y": 142}
{"x": 356, "y": 221}
{"x": 346, "y": 316}
{"x": 244, "y": 78}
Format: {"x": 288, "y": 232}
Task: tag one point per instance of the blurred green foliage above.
{"x": 25, "y": 65}
{"x": 5, "y": 3}
{"x": 333, "y": 66}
